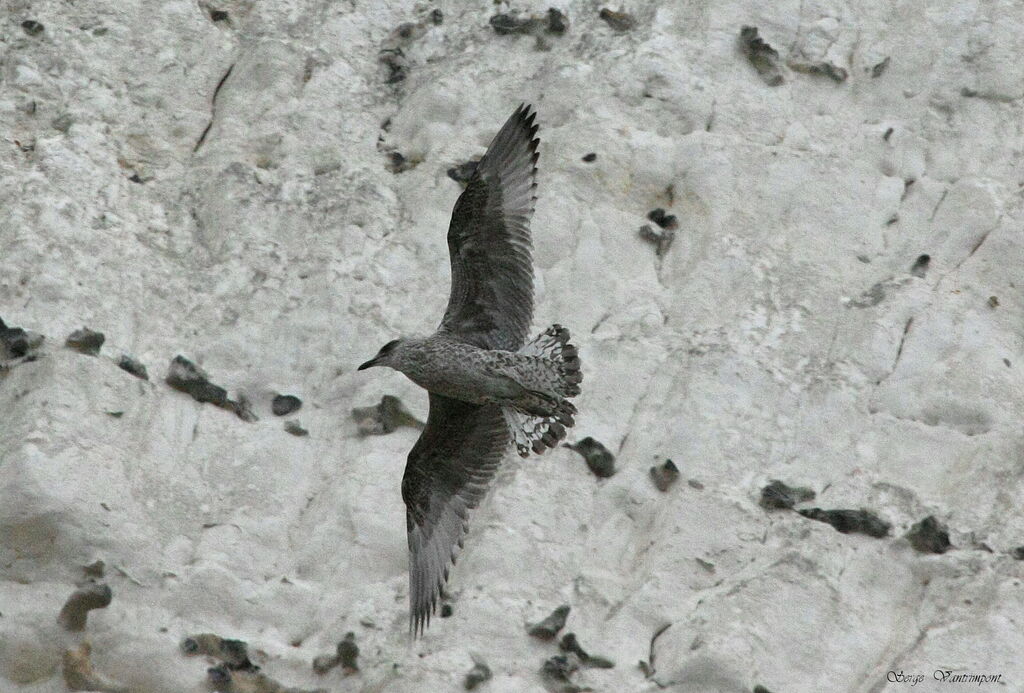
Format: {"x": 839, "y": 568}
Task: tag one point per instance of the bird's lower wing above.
{"x": 446, "y": 475}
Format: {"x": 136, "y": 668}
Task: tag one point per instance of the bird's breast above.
{"x": 462, "y": 372}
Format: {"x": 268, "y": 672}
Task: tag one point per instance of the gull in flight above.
{"x": 488, "y": 386}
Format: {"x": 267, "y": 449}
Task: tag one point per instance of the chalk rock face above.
{"x": 262, "y": 188}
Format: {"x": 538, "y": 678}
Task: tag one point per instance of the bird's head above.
{"x": 388, "y": 355}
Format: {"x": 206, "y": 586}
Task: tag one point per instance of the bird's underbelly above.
{"x": 468, "y": 382}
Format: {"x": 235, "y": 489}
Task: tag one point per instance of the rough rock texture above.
{"x": 221, "y": 187}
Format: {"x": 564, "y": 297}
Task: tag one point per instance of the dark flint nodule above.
{"x": 557, "y": 22}
{"x": 920, "y": 267}
{"x": 599, "y": 459}
{"x": 348, "y": 653}
{"x": 850, "y": 521}
{"x": 665, "y": 221}
{"x": 463, "y": 172}
{"x": 549, "y": 627}
{"x": 778, "y": 496}
{"x": 85, "y": 341}
{"x": 345, "y": 654}
{"x": 14, "y": 342}
{"x": 504, "y": 24}
{"x": 282, "y": 405}
{"x": 398, "y": 66}
{"x": 571, "y": 644}
{"x": 385, "y": 417}
{"x": 187, "y": 377}
{"x": 397, "y": 163}
{"x": 233, "y": 653}
{"x": 131, "y": 365}
{"x": 619, "y": 21}
{"x": 559, "y": 667}
{"x": 324, "y": 663}
{"x": 664, "y": 475}
{"x": 819, "y": 67}
{"x": 879, "y": 68}
{"x": 590, "y": 157}
{"x": 477, "y": 675}
{"x": 32, "y": 27}
{"x": 94, "y": 595}
{"x": 295, "y": 428}
{"x": 762, "y": 56}
{"x": 95, "y": 569}
{"x": 929, "y": 536}
{"x": 218, "y": 675}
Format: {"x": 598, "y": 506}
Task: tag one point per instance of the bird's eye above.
{"x": 389, "y": 346}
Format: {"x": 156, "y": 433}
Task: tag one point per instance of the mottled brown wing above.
{"x": 491, "y": 303}
{"x": 447, "y": 473}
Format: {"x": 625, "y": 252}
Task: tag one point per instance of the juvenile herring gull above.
{"x": 487, "y": 386}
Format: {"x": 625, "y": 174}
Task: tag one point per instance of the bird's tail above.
{"x": 541, "y": 424}
{"x": 553, "y": 345}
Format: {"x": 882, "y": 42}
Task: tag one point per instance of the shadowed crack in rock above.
{"x": 213, "y": 108}
{"x": 647, "y": 667}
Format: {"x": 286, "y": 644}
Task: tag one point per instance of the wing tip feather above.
{"x": 506, "y": 147}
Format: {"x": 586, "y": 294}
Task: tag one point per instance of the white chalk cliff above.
{"x": 216, "y": 178}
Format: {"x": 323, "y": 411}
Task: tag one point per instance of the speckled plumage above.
{"x": 446, "y": 366}
{"x": 487, "y": 386}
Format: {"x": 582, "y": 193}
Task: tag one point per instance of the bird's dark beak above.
{"x": 372, "y": 362}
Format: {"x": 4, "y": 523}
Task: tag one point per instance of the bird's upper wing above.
{"x": 491, "y": 302}
{"x": 447, "y": 474}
